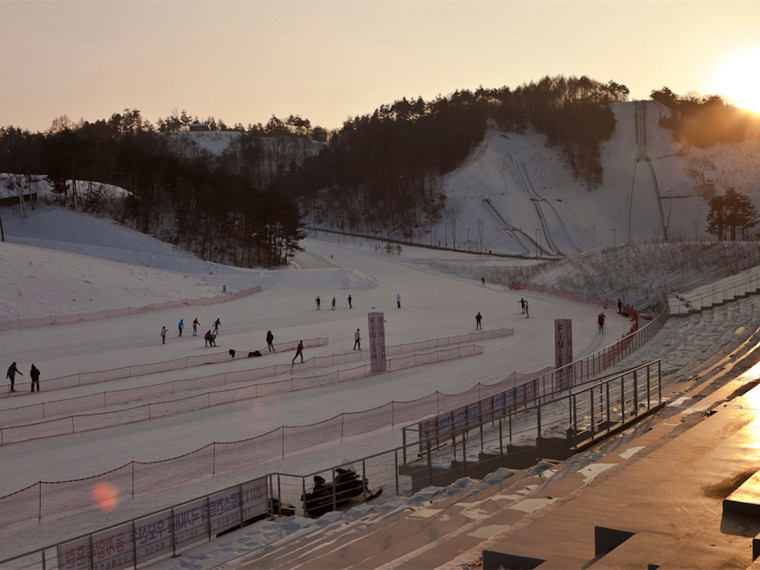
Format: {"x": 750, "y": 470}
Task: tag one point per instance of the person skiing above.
{"x": 196, "y": 323}
{"x": 478, "y": 318}
{"x": 270, "y": 340}
{"x": 523, "y": 304}
{"x": 332, "y": 308}
{"x": 398, "y": 301}
{"x": 357, "y": 340}
{"x": 620, "y": 306}
{"x": 209, "y": 338}
{"x": 34, "y": 374}
{"x": 350, "y": 306}
{"x": 181, "y": 326}
{"x": 299, "y": 352}
{"x": 11, "y": 375}
{"x": 216, "y": 325}
{"x": 600, "y": 320}
{"x": 319, "y": 302}
{"x": 527, "y": 312}
{"x": 163, "y": 335}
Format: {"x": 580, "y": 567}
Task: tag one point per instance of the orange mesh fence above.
{"x": 23, "y": 324}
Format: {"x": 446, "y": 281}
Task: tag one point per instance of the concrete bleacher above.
{"x": 660, "y": 489}
{"x": 665, "y": 483}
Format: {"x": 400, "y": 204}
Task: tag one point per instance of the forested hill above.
{"x": 240, "y": 195}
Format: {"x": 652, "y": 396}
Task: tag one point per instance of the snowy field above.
{"x": 433, "y": 305}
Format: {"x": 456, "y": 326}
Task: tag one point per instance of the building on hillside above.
{"x": 199, "y": 127}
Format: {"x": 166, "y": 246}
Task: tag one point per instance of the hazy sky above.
{"x": 326, "y": 61}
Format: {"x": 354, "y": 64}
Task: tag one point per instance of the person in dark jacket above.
{"x": 357, "y": 340}
{"x": 11, "y": 375}
{"x": 270, "y": 341}
{"x": 478, "y": 318}
{"x": 299, "y": 352}
{"x": 34, "y": 374}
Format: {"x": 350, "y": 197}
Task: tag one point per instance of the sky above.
{"x": 331, "y": 60}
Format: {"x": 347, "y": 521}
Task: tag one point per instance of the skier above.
{"x": 181, "y": 326}
{"x": 216, "y": 325}
{"x": 196, "y": 323}
{"x": 398, "y": 301}
{"x": 527, "y": 312}
{"x": 318, "y": 300}
{"x": 163, "y": 335}
{"x": 523, "y": 304}
{"x": 299, "y": 352}
{"x": 600, "y": 320}
{"x": 620, "y": 306}
{"x": 270, "y": 340}
{"x": 350, "y": 306}
{"x": 34, "y": 374}
{"x": 478, "y": 318}
{"x": 357, "y": 340}
{"x": 11, "y": 375}
{"x": 332, "y": 308}
{"x": 209, "y": 338}
{"x": 483, "y": 281}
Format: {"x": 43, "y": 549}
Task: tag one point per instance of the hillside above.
{"x": 511, "y": 176}
{"x": 514, "y": 195}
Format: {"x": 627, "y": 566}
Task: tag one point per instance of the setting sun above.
{"x": 738, "y": 80}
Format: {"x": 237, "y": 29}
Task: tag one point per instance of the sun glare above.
{"x": 739, "y": 82}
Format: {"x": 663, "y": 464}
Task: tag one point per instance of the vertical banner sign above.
{"x": 376, "y": 341}
{"x": 563, "y": 352}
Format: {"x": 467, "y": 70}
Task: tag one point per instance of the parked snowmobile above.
{"x": 345, "y": 485}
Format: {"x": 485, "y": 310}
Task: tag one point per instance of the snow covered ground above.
{"x": 56, "y": 262}
{"x": 433, "y": 305}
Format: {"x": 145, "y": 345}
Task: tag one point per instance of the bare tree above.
{"x": 451, "y": 214}
{"x": 481, "y": 232}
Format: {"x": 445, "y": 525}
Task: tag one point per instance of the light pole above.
{"x": 614, "y": 241}
{"x": 468, "y": 239}
{"x": 538, "y": 235}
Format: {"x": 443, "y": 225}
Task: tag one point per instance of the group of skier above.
{"x": 209, "y": 337}
{"x": 34, "y": 375}
{"x": 318, "y": 301}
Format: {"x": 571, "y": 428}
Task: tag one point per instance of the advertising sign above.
{"x": 376, "y": 342}
{"x": 563, "y": 352}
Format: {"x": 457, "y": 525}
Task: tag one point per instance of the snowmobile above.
{"x": 346, "y": 484}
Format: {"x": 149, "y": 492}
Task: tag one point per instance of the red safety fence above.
{"x": 143, "y": 412}
{"x": 23, "y": 324}
{"x": 35, "y": 412}
{"x": 46, "y": 498}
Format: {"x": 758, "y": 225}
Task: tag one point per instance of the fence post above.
{"x": 591, "y": 405}
{"x": 659, "y": 382}
{"x": 501, "y": 439}
{"x": 575, "y": 421}
{"x": 635, "y": 392}
{"x": 134, "y": 547}
{"x": 174, "y": 534}
{"x": 403, "y": 443}
{"x": 430, "y": 463}
{"x": 464, "y": 452}
{"x": 395, "y": 466}
{"x": 609, "y": 410}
